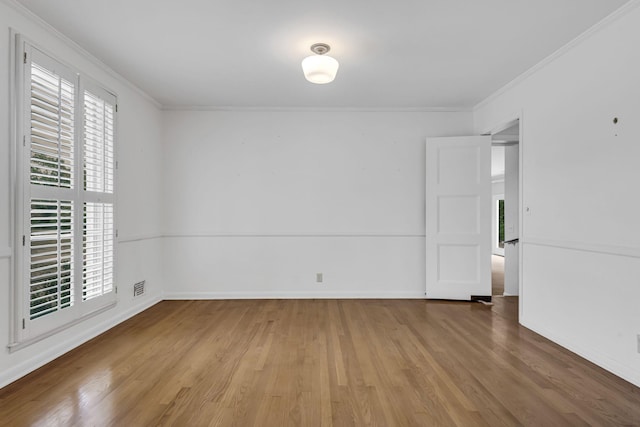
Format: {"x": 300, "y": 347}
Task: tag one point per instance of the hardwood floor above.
{"x": 321, "y": 363}
{"x": 497, "y": 275}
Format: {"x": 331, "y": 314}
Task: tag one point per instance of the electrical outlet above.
{"x": 319, "y": 277}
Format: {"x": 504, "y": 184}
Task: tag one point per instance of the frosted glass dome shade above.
{"x": 319, "y": 69}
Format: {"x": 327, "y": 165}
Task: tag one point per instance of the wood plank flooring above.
{"x": 321, "y": 363}
{"x": 497, "y": 275}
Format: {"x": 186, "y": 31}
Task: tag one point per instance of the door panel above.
{"x": 458, "y": 217}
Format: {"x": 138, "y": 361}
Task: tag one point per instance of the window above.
{"x": 66, "y": 181}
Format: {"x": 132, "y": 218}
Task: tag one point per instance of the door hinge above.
{"x": 24, "y": 57}
{"x": 23, "y": 324}
{"x": 24, "y": 240}
{"x": 24, "y": 140}
{"x": 116, "y": 289}
{"x": 116, "y": 234}
{"x": 116, "y": 108}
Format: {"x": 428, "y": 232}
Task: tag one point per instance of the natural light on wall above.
{"x": 320, "y": 68}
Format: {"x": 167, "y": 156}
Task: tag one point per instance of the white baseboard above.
{"x": 34, "y": 363}
{"x": 292, "y": 295}
{"x": 627, "y": 373}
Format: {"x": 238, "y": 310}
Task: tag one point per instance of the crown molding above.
{"x": 28, "y": 14}
{"x": 278, "y": 235}
{"x": 265, "y": 109}
{"x": 604, "y": 23}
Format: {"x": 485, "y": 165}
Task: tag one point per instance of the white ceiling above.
{"x": 393, "y": 54}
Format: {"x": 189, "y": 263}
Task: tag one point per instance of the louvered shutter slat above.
{"x": 97, "y": 250}
{"x": 98, "y": 144}
{"x": 52, "y": 135}
{"x": 51, "y": 266}
{"x": 98, "y": 177}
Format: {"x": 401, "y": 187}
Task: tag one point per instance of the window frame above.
{"x": 24, "y": 330}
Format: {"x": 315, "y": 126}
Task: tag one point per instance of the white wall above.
{"x": 581, "y": 240}
{"x": 138, "y": 201}
{"x": 259, "y": 202}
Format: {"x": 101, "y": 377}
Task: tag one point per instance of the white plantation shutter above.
{"x": 98, "y": 143}
{"x": 52, "y": 131}
{"x": 67, "y": 182}
{"x": 98, "y": 161}
{"x": 50, "y": 91}
{"x": 51, "y": 253}
{"x": 97, "y": 248}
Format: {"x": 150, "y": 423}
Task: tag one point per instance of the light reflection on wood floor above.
{"x": 321, "y": 362}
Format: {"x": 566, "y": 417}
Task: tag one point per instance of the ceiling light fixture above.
{"x": 320, "y": 68}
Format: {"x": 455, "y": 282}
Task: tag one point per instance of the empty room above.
{"x": 344, "y": 213}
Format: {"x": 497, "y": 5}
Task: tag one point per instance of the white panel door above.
{"x": 458, "y": 217}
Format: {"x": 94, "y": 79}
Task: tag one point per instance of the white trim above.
{"x": 49, "y": 333}
{"x": 502, "y": 127}
{"x": 223, "y": 295}
{"x": 285, "y": 234}
{"x": 627, "y": 372}
{"x": 304, "y": 109}
{"x": 195, "y": 235}
{"x": 627, "y": 251}
{"x": 138, "y": 238}
{"x": 495, "y": 225}
{"x": 521, "y": 198}
{"x": 56, "y": 351}
{"x": 507, "y": 122}
{"x": 604, "y": 23}
{"x": 20, "y": 8}
{"x": 6, "y": 252}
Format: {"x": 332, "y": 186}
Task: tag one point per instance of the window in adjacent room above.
{"x": 500, "y": 223}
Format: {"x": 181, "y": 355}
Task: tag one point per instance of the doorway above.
{"x": 505, "y": 176}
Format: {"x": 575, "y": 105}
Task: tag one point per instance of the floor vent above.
{"x": 138, "y": 288}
